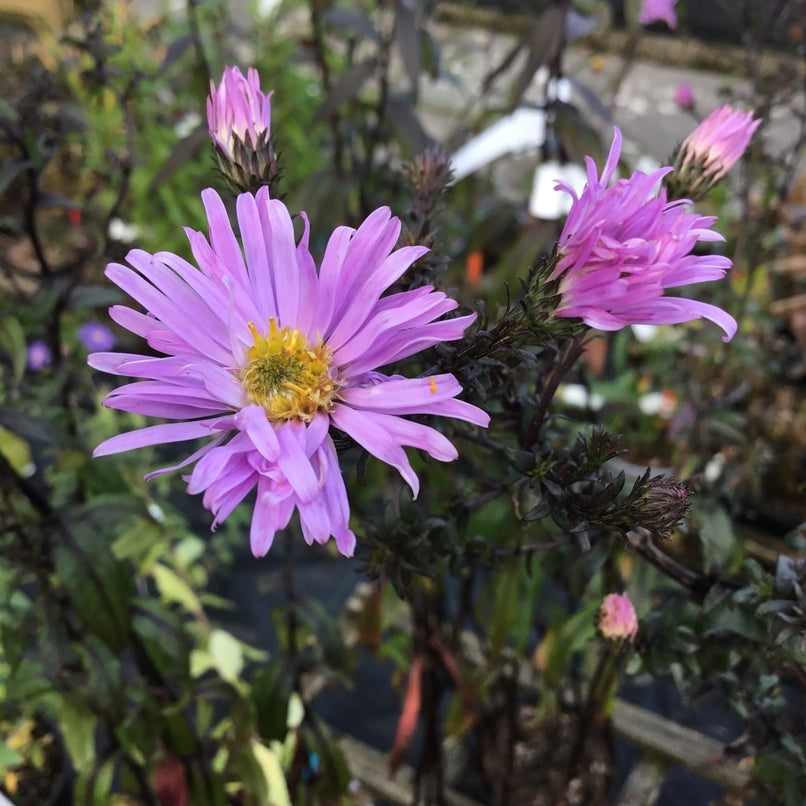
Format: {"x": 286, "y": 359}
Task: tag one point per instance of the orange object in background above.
{"x": 474, "y": 268}
{"x": 595, "y": 355}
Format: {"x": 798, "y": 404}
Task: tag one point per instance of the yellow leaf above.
{"x": 273, "y": 773}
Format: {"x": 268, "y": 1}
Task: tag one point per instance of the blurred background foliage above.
{"x": 126, "y": 675}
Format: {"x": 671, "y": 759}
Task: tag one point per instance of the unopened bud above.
{"x": 239, "y": 120}
{"x": 617, "y": 619}
{"x": 429, "y": 173}
{"x": 709, "y": 152}
{"x": 661, "y": 505}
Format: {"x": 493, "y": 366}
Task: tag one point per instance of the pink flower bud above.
{"x": 719, "y": 141}
{"x": 237, "y": 110}
{"x": 658, "y": 11}
{"x": 617, "y": 619}
{"x": 684, "y": 96}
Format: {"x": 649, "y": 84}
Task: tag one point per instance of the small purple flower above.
{"x": 684, "y": 96}
{"x": 237, "y": 109}
{"x": 658, "y": 11}
{"x": 265, "y": 354}
{"x": 718, "y": 142}
{"x": 95, "y": 336}
{"x": 38, "y": 356}
{"x": 617, "y": 619}
{"x": 623, "y": 245}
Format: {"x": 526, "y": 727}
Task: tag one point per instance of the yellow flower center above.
{"x": 288, "y": 376}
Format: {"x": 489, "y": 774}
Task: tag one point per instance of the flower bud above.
{"x": 658, "y": 11}
{"x": 617, "y": 619}
{"x": 709, "y": 152}
{"x": 662, "y": 504}
{"x": 684, "y": 96}
{"x": 239, "y": 120}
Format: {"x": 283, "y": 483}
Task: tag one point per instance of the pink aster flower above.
{"x": 715, "y": 146}
{"x": 623, "y": 245}
{"x": 617, "y": 619}
{"x": 237, "y": 109}
{"x": 684, "y": 96}
{"x": 658, "y": 11}
{"x": 264, "y": 354}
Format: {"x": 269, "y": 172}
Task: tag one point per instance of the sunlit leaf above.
{"x": 77, "y": 723}
{"x": 173, "y": 588}
{"x": 347, "y": 88}
{"x": 227, "y": 654}
{"x": 277, "y": 788}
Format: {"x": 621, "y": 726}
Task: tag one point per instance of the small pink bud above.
{"x": 684, "y": 96}
{"x": 719, "y": 141}
{"x": 617, "y": 619}
{"x": 238, "y": 110}
{"x": 658, "y": 11}
{"x": 239, "y": 120}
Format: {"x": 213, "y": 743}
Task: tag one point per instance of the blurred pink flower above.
{"x": 38, "y": 355}
{"x": 658, "y": 10}
{"x": 265, "y": 354}
{"x": 684, "y": 96}
{"x": 95, "y": 336}
{"x": 617, "y": 619}
{"x": 623, "y": 245}
{"x": 715, "y": 146}
{"x": 237, "y": 110}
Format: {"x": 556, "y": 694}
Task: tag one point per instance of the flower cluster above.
{"x": 264, "y": 354}
{"x": 623, "y": 245}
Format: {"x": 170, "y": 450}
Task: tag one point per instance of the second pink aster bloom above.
{"x": 617, "y": 619}
{"x": 658, "y": 11}
{"x": 264, "y": 355}
{"x": 623, "y": 245}
{"x": 716, "y": 145}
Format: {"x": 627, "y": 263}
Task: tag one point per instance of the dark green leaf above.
{"x": 407, "y": 39}
{"x": 347, "y": 88}
{"x": 351, "y": 20}
{"x": 99, "y": 586}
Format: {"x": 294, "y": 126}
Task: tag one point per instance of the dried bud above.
{"x": 239, "y": 119}
{"x": 660, "y": 504}
{"x": 709, "y": 152}
{"x": 429, "y": 173}
{"x": 617, "y": 619}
